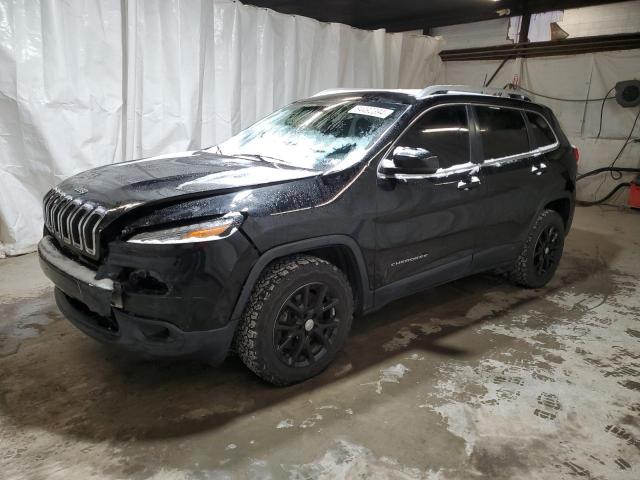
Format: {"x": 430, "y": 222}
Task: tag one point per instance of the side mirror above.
{"x": 407, "y": 160}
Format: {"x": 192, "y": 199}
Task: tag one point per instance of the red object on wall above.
{"x": 634, "y": 193}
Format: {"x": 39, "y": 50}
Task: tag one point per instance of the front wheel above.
{"x": 541, "y": 252}
{"x": 297, "y": 319}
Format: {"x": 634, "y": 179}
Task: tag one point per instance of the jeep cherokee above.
{"x": 271, "y": 241}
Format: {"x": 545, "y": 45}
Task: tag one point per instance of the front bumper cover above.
{"x": 145, "y": 336}
{"x": 75, "y": 279}
{"x": 93, "y": 306}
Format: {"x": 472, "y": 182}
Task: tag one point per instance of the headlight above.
{"x": 199, "y": 232}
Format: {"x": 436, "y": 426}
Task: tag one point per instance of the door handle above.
{"x": 539, "y": 169}
{"x": 473, "y": 182}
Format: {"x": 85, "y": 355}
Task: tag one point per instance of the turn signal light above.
{"x": 207, "y": 232}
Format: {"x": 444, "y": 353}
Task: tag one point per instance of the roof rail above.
{"x": 406, "y": 91}
{"x": 491, "y": 91}
{"x": 338, "y": 90}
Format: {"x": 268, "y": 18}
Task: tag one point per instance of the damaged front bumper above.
{"x": 98, "y": 307}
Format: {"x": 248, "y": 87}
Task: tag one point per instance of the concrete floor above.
{"x": 477, "y": 379}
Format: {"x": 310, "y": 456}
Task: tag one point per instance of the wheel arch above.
{"x": 564, "y": 207}
{"x": 340, "y": 250}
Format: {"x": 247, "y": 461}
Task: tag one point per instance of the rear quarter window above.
{"x": 541, "y": 133}
{"x": 502, "y": 131}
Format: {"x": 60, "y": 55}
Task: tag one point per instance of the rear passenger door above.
{"x": 509, "y": 172}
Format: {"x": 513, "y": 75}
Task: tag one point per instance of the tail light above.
{"x": 576, "y": 153}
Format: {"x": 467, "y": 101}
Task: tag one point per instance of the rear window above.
{"x": 541, "y": 132}
{"x": 502, "y": 132}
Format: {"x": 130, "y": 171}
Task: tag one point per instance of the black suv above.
{"x": 268, "y": 243}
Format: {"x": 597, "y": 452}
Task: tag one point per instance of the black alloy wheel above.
{"x": 541, "y": 252}
{"x": 297, "y": 320}
{"x": 306, "y": 325}
{"x": 545, "y": 255}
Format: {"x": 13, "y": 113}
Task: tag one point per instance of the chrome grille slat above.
{"x": 86, "y": 208}
{"x": 53, "y": 212}
{"x": 47, "y": 208}
{"x": 61, "y": 217}
{"x": 48, "y": 199}
{"x": 93, "y": 234}
{"x": 73, "y": 221}
{"x": 69, "y": 219}
{"x": 57, "y": 220}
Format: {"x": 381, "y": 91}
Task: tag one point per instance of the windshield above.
{"x": 316, "y": 134}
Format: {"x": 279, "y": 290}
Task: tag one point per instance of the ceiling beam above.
{"x": 484, "y": 11}
{"x": 570, "y": 46}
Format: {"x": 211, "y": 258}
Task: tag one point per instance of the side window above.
{"x": 541, "y": 132}
{"x": 444, "y": 131}
{"x": 502, "y": 132}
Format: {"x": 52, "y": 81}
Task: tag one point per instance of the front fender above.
{"x": 305, "y": 246}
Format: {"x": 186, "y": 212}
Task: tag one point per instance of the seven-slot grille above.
{"x": 73, "y": 221}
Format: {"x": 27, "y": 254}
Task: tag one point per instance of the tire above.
{"x": 297, "y": 320}
{"x": 541, "y": 252}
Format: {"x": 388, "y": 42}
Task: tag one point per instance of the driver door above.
{"x": 426, "y": 224}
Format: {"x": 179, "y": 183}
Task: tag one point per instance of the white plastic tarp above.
{"x": 60, "y": 104}
{"x": 90, "y": 82}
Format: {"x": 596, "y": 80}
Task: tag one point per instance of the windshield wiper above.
{"x": 275, "y": 162}
{"x": 271, "y": 160}
{"x": 262, "y": 158}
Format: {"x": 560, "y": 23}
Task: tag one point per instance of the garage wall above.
{"x": 573, "y": 77}
{"x": 90, "y": 82}
{"x": 476, "y": 34}
{"x": 622, "y": 17}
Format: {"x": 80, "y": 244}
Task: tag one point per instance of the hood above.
{"x": 129, "y": 184}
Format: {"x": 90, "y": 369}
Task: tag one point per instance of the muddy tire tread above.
{"x": 518, "y": 273}
{"x": 268, "y": 283}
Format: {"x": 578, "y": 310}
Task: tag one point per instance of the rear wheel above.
{"x": 298, "y": 318}
{"x": 541, "y": 252}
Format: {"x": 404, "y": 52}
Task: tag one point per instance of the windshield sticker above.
{"x": 371, "y": 111}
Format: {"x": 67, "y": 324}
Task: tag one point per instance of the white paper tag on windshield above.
{"x": 371, "y": 111}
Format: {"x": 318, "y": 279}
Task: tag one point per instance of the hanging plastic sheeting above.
{"x": 223, "y": 65}
{"x": 91, "y": 82}
{"x": 60, "y": 104}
